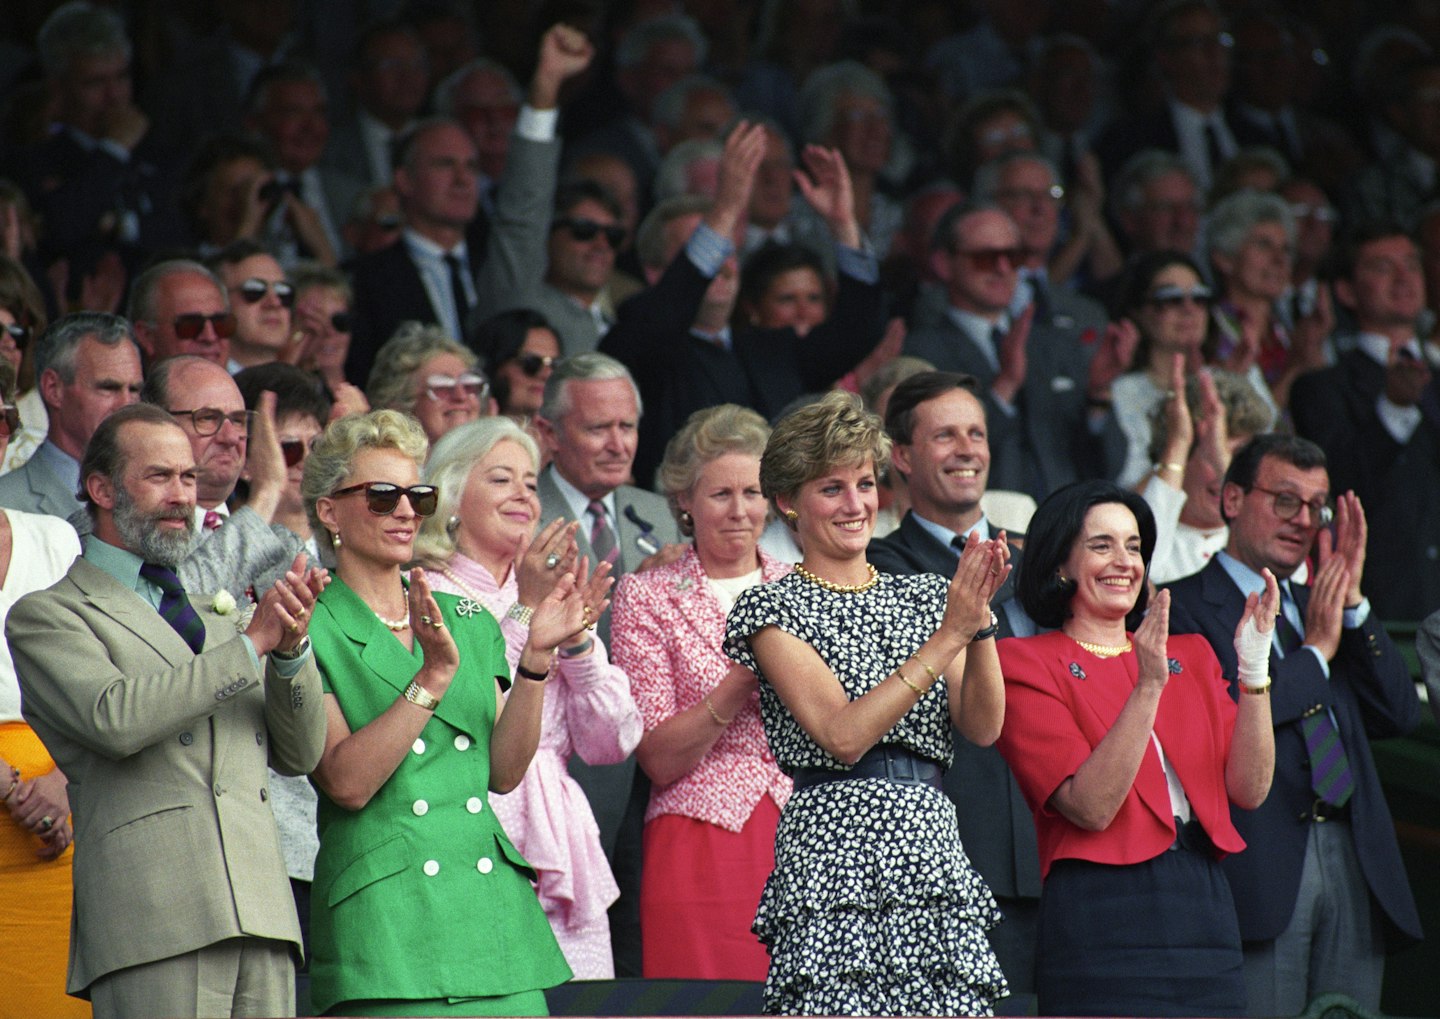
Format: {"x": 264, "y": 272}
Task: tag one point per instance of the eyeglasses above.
{"x": 189, "y": 326}
{"x": 342, "y": 321}
{"x": 1287, "y": 505}
{"x": 1170, "y": 297}
{"x": 988, "y": 259}
{"x": 588, "y": 230}
{"x": 10, "y": 419}
{"x": 533, "y": 364}
{"x": 387, "y": 222}
{"x": 381, "y": 497}
{"x": 207, "y": 420}
{"x": 18, "y": 334}
{"x": 1319, "y": 213}
{"x": 253, "y": 291}
{"x": 294, "y": 450}
{"x": 441, "y": 388}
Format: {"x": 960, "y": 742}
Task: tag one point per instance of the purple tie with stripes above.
{"x": 175, "y": 608}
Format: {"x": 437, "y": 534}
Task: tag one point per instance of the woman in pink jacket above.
{"x": 710, "y": 828}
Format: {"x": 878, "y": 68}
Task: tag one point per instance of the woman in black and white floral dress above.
{"x": 873, "y": 908}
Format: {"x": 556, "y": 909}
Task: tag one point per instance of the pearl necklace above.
{"x": 472, "y": 602}
{"x": 830, "y": 585}
{"x": 396, "y": 625}
{"x": 1104, "y": 650}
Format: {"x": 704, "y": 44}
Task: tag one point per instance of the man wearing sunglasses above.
{"x": 1034, "y": 368}
{"x": 244, "y": 550}
{"x": 1376, "y": 413}
{"x": 86, "y": 366}
{"x": 180, "y": 307}
{"x": 1320, "y": 889}
{"x": 261, "y": 299}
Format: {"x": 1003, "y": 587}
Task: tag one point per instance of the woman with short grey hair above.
{"x": 422, "y": 371}
{"x": 1250, "y": 240}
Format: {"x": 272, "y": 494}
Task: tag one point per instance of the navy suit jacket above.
{"x": 1399, "y": 485}
{"x": 996, "y": 828}
{"x": 1371, "y": 696}
{"x": 1045, "y": 440}
{"x": 388, "y": 291}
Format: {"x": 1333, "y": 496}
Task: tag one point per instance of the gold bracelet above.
{"x": 420, "y": 697}
{"x": 934, "y": 677}
{"x": 901, "y": 676}
{"x": 715, "y": 714}
{"x": 1258, "y": 690}
{"x": 1179, "y": 469}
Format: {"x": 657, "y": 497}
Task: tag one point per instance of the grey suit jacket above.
{"x": 1045, "y": 440}
{"x": 245, "y": 552}
{"x": 513, "y": 272}
{"x": 166, "y": 752}
{"x": 607, "y": 786}
{"x": 34, "y": 488}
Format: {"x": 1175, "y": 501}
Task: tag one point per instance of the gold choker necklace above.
{"x": 1104, "y": 650}
{"x": 830, "y": 585}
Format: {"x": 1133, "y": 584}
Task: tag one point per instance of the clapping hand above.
{"x": 1151, "y": 637}
{"x": 442, "y": 657}
{"x": 542, "y": 561}
{"x": 282, "y": 617}
{"x": 827, "y": 188}
{"x": 983, "y": 567}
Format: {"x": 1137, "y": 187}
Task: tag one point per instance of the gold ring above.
{"x": 294, "y": 627}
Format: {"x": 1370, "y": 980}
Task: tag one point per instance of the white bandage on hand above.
{"x": 1252, "y": 651}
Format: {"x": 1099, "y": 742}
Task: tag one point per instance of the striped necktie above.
{"x": 1331, "y": 778}
{"x": 175, "y": 608}
{"x": 602, "y": 535}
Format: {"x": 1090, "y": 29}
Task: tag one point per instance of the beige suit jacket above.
{"x": 166, "y": 752}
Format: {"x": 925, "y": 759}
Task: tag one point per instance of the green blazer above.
{"x": 420, "y": 893}
{"x": 166, "y": 753}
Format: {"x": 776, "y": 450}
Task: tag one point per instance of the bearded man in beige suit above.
{"x": 159, "y": 710}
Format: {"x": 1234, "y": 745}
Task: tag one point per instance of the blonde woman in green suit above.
{"x": 421, "y": 904}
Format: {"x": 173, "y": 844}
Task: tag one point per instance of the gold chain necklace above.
{"x": 830, "y": 585}
{"x": 1104, "y": 650}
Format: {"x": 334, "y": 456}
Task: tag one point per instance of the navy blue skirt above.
{"x": 1158, "y": 938}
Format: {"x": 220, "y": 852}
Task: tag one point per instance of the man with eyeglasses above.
{"x": 261, "y": 298}
{"x": 178, "y": 306}
{"x": 1320, "y": 890}
{"x": 246, "y": 550}
{"x": 1046, "y": 411}
{"x": 1376, "y": 413}
{"x": 86, "y": 366}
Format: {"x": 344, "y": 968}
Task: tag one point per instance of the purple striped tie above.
{"x": 1330, "y": 776}
{"x": 175, "y": 608}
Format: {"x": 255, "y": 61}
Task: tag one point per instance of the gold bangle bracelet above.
{"x": 1161, "y": 468}
{"x": 901, "y": 676}
{"x": 1258, "y": 690}
{"x": 934, "y": 676}
{"x": 715, "y": 714}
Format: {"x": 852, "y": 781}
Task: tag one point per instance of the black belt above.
{"x": 1322, "y": 811}
{"x": 1191, "y": 835}
{"x": 892, "y": 763}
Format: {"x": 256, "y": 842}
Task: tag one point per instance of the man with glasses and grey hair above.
{"x": 589, "y": 423}
{"x": 180, "y": 307}
{"x": 1320, "y": 890}
{"x": 86, "y": 365}
{"x": 244, "y": 551}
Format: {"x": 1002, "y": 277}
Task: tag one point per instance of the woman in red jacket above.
{"x": 1130, "y": 751}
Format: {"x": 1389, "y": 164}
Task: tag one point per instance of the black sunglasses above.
{"x": 19, "y": 335}
{"x": 253, "y": 291}
{"x": 294, "y": 450}
{"x": 533, "y": 364}
{"x": 381, "y": 497}
{"x": 192, "y": 324}
{"x": 341, "y": 321}
{"x": 588, "y": 230}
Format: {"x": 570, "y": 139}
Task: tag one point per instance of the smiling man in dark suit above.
{"x": 1320, "y": 890}
{"x": 163, "y": 714}
{"x": 941, "y": 447}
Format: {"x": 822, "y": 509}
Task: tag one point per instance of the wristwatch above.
{"x": 990, "y": 630}
{"x": 298, "y": 651}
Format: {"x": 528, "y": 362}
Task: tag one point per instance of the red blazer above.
{"x": 1060, "y": 701}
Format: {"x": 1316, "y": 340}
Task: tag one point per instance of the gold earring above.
{"x": 791, "y": 515}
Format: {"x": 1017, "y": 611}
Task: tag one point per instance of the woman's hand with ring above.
{"x": 539, "y": 565}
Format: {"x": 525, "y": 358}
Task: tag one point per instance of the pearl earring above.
{"x": 335, "y": 541}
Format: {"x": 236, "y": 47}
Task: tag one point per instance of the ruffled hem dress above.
{"x": 873, "y": 907}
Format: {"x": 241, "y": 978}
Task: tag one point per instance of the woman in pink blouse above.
{"x": 710, "y": 827}
{"x": 478, "y": 545}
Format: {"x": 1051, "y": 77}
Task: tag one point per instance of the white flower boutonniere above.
{"x": 223, "y": 604}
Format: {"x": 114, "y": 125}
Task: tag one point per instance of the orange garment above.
{"x": 35, "y": 897}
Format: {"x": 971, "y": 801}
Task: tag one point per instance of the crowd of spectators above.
{"x": 431, "y": 206}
